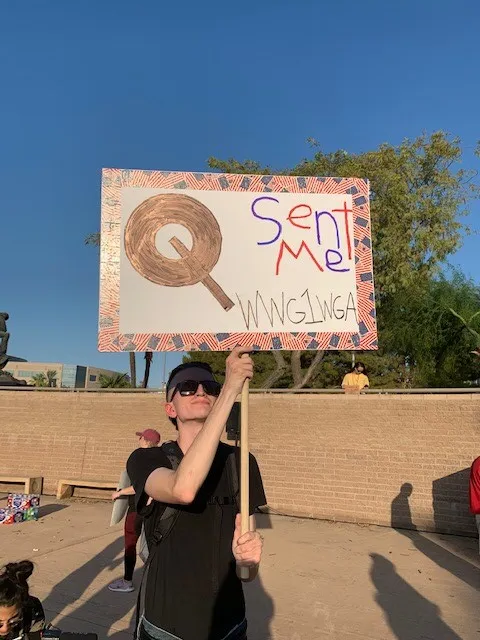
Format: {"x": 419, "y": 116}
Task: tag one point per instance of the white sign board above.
{"x": 207, "y": 261}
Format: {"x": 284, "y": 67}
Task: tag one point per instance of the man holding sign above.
{"x": 192, "y": 591}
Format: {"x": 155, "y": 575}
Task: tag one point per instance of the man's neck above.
{"x": 187, "y": 434}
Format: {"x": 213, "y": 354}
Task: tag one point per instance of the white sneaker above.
{"x": 125, "y": 586}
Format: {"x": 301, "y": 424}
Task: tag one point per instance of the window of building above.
{"x": 69, "y": 373}
{"x": 28, "y": 374}
{"x": 93, "y": 378}
{"x": 81, "y": 377}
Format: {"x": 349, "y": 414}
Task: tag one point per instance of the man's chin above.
{"x": 200, "y": 415}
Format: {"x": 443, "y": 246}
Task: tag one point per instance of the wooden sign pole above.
{"x": 244, "y": 572}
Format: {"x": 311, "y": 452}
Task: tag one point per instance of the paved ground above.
{"x": 319, "y": 580}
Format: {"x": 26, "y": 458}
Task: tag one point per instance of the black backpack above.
{"x": 165, "y": 523}
{"x": 169, "y": 516}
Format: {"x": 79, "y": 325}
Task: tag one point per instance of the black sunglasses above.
{"x": 190, "y": 388}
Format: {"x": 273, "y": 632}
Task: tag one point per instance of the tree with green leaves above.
{"x": 418, "y": 325}
{"x": 116, "y": 381}
{"x": 40, "y": 380}
{"x": 385, "y": 371}
{"x": 51, "y": 377}
{"x": 468, "y": 324}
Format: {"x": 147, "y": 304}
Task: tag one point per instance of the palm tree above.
{"x": 40, "y": 380}
{"x": 133, "y": 369}
{"x": 117, "y": 381}
{"x": 51, "y": 378}
{"x": 148, "y": 361}
{"x": 93, "y": 240}
{"x": 468, "y": 326}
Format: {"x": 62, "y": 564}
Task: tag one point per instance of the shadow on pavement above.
{"x": 410, "y": 616}
{"x": 50, "y": 508}
{"x": 71, "y": 591}
{"x": 401, "y": 521}
{"x": 260, "y": 610}
{"x": 263, "y": 520}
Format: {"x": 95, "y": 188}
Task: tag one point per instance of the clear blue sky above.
{"x": 159, "y": 85}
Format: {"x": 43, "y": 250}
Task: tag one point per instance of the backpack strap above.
{"x": 233, "y": 475}
{"x": 163, "y": 527}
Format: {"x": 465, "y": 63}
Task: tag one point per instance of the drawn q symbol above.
{"x": 193, "y": 265}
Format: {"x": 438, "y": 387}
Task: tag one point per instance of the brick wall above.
{"x": 370, "y": 458}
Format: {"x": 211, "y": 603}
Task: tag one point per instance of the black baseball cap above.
{"x": 194, "y": 370}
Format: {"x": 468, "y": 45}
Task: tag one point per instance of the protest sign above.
{"x": 207, "y": 261}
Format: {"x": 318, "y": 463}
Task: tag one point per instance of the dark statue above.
{"x": 4, "y": 338}
{"x": 6, "y": 379}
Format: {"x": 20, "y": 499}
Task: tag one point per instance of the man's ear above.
{"x": 170, "y": 410}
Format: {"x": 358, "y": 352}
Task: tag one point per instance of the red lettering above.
{"x": 346, "y": 211}
{"x": 303, "y": 245}
{"x": 291, "y": 218}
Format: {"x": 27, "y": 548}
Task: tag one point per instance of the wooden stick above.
{"x": 207, "y": 280}
{"x": 244, "y": 572}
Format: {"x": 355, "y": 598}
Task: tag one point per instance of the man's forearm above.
{"x": 196, "y": 463}
{"x": 181, "y": 486}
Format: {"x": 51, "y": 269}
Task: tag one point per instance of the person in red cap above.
{"x": 133, "y": 521}
{"x": 148, "y": 438}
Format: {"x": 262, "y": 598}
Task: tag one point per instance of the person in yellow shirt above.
{"x": 356, "y": 379}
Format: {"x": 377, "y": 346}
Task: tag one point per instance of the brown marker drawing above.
{"x": 193, "y": 265}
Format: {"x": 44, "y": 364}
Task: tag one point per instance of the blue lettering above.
{"x": 257, "y": 215}
{"x": 331, "y": 263}
{"x": 318, "y": 215}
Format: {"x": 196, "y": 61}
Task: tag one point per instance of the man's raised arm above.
{"x": 181, "y": 486}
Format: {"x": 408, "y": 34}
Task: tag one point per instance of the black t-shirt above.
{"x": 192, "y": 589}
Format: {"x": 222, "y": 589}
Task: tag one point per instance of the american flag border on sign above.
{"x": 109, "y": 338}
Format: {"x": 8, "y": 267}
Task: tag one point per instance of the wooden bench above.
{"x": 65, "y": 487}
{"x": 31, "y": 485}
